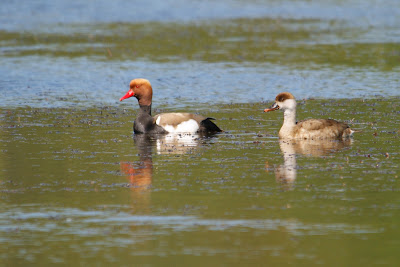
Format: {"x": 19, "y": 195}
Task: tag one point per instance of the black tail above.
{"x": 209, "y": 127}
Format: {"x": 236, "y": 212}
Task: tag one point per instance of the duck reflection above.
{"x": 140, "y": 173}
{"x": 286, "y": 173}
{"x": 177, "y": 143}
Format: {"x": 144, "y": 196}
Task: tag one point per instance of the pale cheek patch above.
{"x": 189, "y": 126}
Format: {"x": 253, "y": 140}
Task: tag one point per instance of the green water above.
{"x": 277, "y": 41}
{"x": 212, "y": 62}
{"x": 77, "y": 188}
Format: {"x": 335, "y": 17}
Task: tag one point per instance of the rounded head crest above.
{"x": 138, "y": 83}
{"x": 283, "y": 96}
{"x": 141, "y": 89}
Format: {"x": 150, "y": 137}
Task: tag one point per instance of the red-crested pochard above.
{"x": 164, "y": 122}
{"x": 307, "y": 129}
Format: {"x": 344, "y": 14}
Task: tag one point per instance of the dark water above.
{"x": 76, "y": 187}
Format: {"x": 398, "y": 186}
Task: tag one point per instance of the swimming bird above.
{"x": 307, "y": 129}
{"x": 165, "y": 122}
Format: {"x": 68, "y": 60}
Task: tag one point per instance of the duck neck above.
{"x": 289, "y": 118}
{"x": 145, "y": 110}
{"x": 144, "y": 122}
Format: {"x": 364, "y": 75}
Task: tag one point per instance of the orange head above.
{"x": 142, "y": 90}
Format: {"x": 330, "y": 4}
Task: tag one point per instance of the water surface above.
{"x": 77, "y": 187}
{"x": 257, "y": 48}
{"x": 76, "y": 179}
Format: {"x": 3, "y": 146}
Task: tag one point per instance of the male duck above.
{"x": 165, "y": 122}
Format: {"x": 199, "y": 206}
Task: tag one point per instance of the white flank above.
{"x": 158, "y": 120}
{"x": 189, "y": 126}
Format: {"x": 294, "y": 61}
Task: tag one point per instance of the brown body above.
{"x": 307, "y": 129}
{"x": 174, "y": 119}
{"x": 319, "y": 129}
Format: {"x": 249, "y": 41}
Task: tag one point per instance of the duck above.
{"x": 164, "y": 123}
{"x": 306, "y": 129}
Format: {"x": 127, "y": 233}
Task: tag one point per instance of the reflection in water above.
{"x": 177, "y": 143}
{"x": 287, "y": 172}
{"x": 140, "y": 172}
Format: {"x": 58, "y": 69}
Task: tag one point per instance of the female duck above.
{"x": 164, "y": 122}
{"x": 307, "y": 129}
